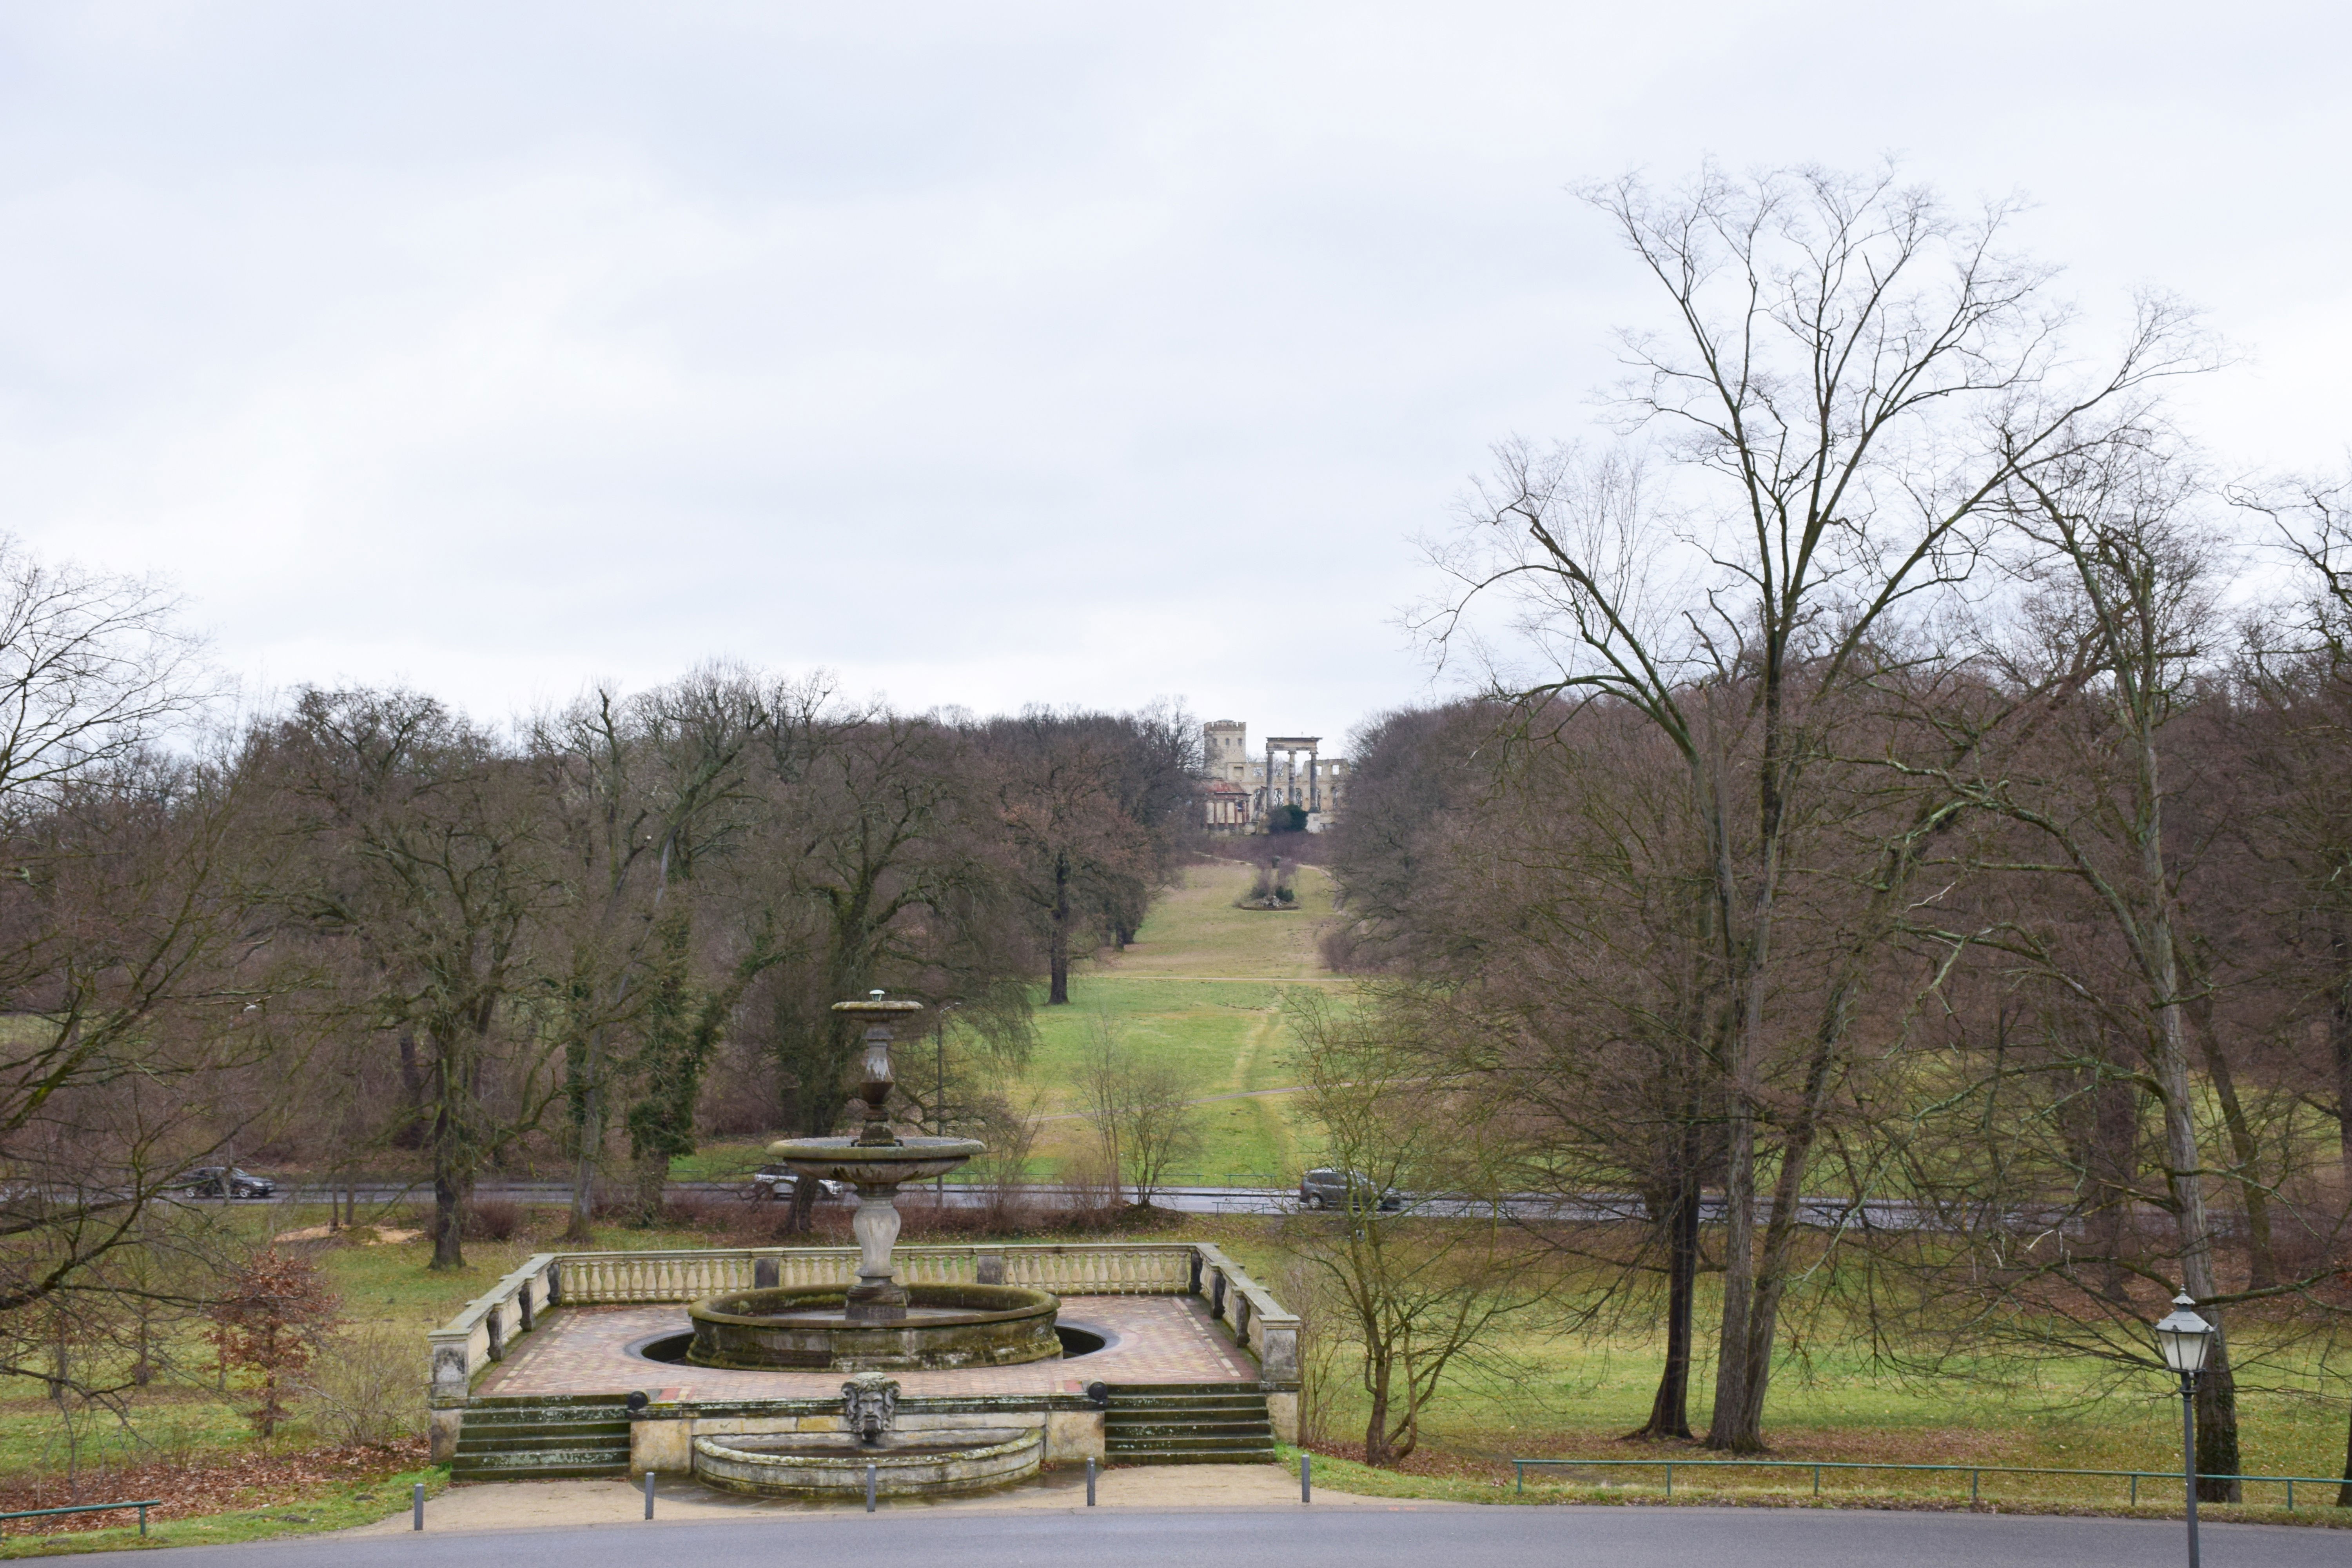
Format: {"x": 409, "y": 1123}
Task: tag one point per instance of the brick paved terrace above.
{"x": 588, "y": 1350}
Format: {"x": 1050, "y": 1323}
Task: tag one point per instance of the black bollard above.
{"x": 649, "y": 1494}
{"x": 869, "y": 1489}
{"x": 1306, "y": 1476}
{"x": 1090, "y": 1481}
{"x": 416, "y": 1500}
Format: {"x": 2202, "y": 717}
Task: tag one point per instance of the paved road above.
{"x": 1408, "y": 1536}
{"x": 1600, "y": 1207}
{"x": 1184, "y": 1200}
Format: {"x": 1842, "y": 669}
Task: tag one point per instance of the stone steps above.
{"x": 544, "y": 1438}
{"x": 1180, "y": 1440}
{"x": 507, "y": 1440}
{"x": 1186, "y": 1423}
{"x": 1163, "y": 1426}
{"x": 556, "y": 1465}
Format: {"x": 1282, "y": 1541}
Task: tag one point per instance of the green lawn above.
{"x": 1203, "y": 985}
{"x": 1196, "y": 933}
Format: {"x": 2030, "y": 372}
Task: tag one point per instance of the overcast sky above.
{"x": 986, "y": 353}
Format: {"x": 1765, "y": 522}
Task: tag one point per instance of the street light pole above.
{"x": 2185, "y": 1340}
{"x": 2188, "y": 1453}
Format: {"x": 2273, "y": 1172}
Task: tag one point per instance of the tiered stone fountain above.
{"x": 872, "y": 1326}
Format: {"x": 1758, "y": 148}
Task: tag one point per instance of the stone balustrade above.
{"x": 1268, "y": 1328}
{"x": 609, "y": 1279}
{"x": 478, "y": 1335}
{"x": 466, "y": 1346}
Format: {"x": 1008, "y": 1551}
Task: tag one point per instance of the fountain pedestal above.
{"x": 878, "y": 1297}
{"x": 876, "y": 1324}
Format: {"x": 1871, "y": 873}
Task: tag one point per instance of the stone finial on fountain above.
{"x": 869, "y": 1406}
{"x": 874, "y": 1087}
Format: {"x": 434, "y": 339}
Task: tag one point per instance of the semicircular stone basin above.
{"x": 805, "y": 1327}
{"x": 932, "y": 1464}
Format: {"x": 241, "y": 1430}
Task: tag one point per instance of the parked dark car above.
{"x": 224, "y": 1182}
{"x": 1323, "y": 1189}
{"x": 776, "y": 1182}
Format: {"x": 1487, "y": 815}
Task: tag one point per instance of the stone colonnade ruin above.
{"x": 1288, "y": 792}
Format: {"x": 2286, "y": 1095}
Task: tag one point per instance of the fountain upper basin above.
{"x": 875, "y": 1164}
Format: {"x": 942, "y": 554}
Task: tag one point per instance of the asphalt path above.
{"x": 1409, "y": 1536}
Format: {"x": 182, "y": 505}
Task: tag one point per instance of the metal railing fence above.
{"x": 142, "y": 1506}
{"x": 1976, "y": 1473}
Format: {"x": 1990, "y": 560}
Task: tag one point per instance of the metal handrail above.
{"x": 1976, "y": 1473}
{"x": 142, "y": 1506}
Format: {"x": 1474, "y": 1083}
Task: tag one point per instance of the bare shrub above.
{"x": 494, "y": 1219}
{"x": 719, "y": 1215}
{"x": 1009, "y": 1127}
{"x": 1304, "y": 1288}
{"x": 1145, "y": 1121}
{"x": 369, "y": 1385}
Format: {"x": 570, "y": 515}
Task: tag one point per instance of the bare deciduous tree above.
{"x": 1852, "y": 374}
{"x": 92, "y": 666}
{"x": 1142, "y": 1109}
{"x": 1418, "y": 1298}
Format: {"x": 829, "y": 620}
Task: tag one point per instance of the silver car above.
{"x": 775, "y": 1181}
{"x": 1324, "y": 1188}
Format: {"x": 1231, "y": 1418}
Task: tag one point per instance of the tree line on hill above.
{"x": 362, "y": 930}
{"x": 1903, "y": 851}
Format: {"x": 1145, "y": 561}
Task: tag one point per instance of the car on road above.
{"x": 224, "y": 1182}
{"x": 1323, "y": 1188}
{"x": 776, "y": 1182}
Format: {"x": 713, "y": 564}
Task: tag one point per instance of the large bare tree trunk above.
{"x": 2339, "y": 1042}
{"x": 1058, "y": 938}
{"x": 1670, "y": 1408}
{"x": 2113, "y": 1161}
{"x": 1779, "y": 1233}
{"x": 411, "y": 1131}
{"x": 2217, "y": 1400}
{"x": 1377, "y": 1449}
{"x": 582, "y": 1229}
{"x": 452, "y": 1182}
{"x": 1735, "y": 1424}
{"x": 2245, "y": 1148}
{"x": 2262, "y": 1261}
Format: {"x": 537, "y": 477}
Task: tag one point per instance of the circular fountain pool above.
{"x": 1078, "y": 1339}
{"x": 808, "y": 1327}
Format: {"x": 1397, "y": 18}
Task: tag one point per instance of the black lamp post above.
{"x": 2185, "y": 1340}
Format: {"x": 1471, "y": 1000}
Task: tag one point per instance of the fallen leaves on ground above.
{"x": 215, "y": 1484}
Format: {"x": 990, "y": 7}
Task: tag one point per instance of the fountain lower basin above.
{"x": 808, "y": 1328}
{"x": 818, "y": 1464}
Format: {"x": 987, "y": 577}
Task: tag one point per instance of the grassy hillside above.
{"x": 1203, "y": 985}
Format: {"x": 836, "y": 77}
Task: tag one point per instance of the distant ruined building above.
{"x": 1241, "y": 787}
